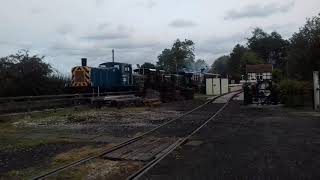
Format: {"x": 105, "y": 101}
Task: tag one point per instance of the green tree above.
{"x": 180, "y": 56}
{"x": 304, "y": 52}
{"x": 22, "y": 74}
{"x": 200, "y": 65}
{"x": 249, "y": 58}
{"x": 277, "y": 75}
{"x": 220, "y": 66}
{"x": 166, "y": 60}
{"x": 271, "y": 48}
{"x": 234, "y": 64}
{"x": 148, "y": 65}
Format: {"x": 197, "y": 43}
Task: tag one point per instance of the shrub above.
{"x": 24, "y": 75}
{"x": 277, "y": 75}
{"x": 293, "y": 92}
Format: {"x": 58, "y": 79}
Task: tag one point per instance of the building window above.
{"x": 260, "y": 76}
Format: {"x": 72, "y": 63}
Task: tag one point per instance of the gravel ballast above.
{"x": 248, "y": 142}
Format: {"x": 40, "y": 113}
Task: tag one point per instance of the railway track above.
{"x": 11, "y": 106}
{"x": 157, "y": 143}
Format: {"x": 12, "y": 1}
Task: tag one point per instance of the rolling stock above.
{"x": 109, "y": 76}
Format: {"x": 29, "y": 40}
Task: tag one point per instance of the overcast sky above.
{"x": 138, "y": 30}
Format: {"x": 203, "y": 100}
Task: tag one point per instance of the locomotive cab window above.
{"x": 117, "y": 66}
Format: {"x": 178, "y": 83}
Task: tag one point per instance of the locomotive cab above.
{"x": 124, "y": 68}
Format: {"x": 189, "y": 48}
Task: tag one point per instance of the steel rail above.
{"x": 4, "y": 99}
{"x": 127, "y": 142}
{"x": 178, "y": 143}
{"x": 9, "y": 108}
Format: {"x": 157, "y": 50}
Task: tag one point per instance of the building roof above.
{"x": 259, "y": 68}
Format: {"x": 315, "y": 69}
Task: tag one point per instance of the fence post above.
{"x": 316, "y": 90}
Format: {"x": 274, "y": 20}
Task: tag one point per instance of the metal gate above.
{"x": 216, "y": 86}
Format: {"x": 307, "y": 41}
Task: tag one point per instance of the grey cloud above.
{"x": 286, "y": 30}
{"x": 97, "y": 48}
{"x": 36, "y": 10}
{"x": 214, "y": 50}
{"x": 147, "y": 3}
{"x": 121, "y": 32}
{"x": 21, "y": 45}
{"x": 258, "y": 10}
{"x": 73, "y": 49}
{"x": 106, "y": 36}
{"x": 219, "y": 45}
{"x": 103, "y": 26}
{"x": 151, "y": 4}
{"x": 135, "y": 45}
{"x": 182, "y": 23}
{"x": 65, "y": 29}
{"x": 99, "y": 3}
{"x": 216, "y": 46}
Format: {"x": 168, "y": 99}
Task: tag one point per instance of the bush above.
{"x": 293, "y": 92}
{"x": 24, "y": 75}
{"x": 277, "y": 75}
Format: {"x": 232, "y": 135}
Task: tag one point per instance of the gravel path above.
{"x": 248, "y": 143}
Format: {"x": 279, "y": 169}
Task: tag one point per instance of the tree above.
{"x": 165, "y": 60}
{"x": 304, "y": 51}
{"x": 234, "y": 64}
{"x": 148, "y": 65}
{"x": 22, "y": 74}
{"x": 180, "y": 56}
{"x": 277, "y": 75}
{"x": 220, "y": 66}
{"x": 200, "y": 65}
{"x": 249, "y": 58}
{"x": 270, "y": 47}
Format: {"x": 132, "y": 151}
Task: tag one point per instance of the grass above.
{"x": 16, "y": 144}
{"x": 68, "y": 115}
{"x": 14, "y": 129}
{"x": 101, "y": 169}
{"x": 19, "y": 174}
{"x": 12, "y": 138}
{"x": 16, "y": 134}
{"x": 76, "y": 154}
{"x": 57, "y": 161}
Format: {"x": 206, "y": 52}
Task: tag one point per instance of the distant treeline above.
{"x": 25, "y": 75}
{"x": 293, "y": 58}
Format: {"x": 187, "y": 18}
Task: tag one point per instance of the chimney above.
{"x": 84, "y": 61}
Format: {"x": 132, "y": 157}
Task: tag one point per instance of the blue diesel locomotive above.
{"x": 109, "y": 76}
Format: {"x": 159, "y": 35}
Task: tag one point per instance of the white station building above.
{"x": 257, "y": 73}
